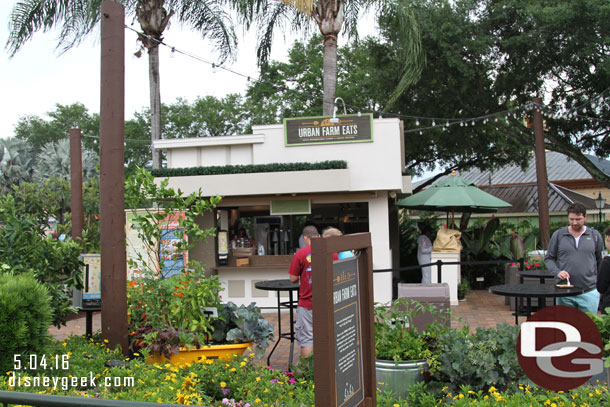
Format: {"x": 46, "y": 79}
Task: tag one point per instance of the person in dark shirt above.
{"x": 603, "y": 279}
{"x": 575, "y": 255}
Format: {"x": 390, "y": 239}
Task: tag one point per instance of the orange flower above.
{"x": 133, "y": 283}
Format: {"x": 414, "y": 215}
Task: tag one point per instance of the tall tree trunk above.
{"x": 155, "y": 102}
{"x": 330, "y": 73}
{"x": 328, "y": 14}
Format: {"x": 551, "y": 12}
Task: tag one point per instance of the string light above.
{"x": 561, "y": 112}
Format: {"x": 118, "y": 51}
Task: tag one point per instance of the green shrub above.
{"x": 482, "y": 359}
{"x": 25, "y": 248}
{"x": 25, "y": 316}
{"x": 248, "y": 169}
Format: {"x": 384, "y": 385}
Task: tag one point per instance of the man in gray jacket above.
{"x": 575, "y": 253}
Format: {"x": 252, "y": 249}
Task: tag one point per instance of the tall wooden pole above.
{"x": 541, "y": 177}
{"x": 76, "y": 184}
{"x": 112, "y": 188}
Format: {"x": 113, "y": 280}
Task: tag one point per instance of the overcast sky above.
{"x": 39, "y": 76}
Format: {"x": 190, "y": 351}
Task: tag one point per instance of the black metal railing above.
{"x": 439, "y": 264}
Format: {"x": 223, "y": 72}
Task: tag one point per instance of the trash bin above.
{"x": 436, "y": 294}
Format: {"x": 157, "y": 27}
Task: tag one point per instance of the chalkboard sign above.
{"x": 347, "y": 333}
{"x": 343, "y": 322}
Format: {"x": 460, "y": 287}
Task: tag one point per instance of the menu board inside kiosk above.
{"x": 347, "y": 333}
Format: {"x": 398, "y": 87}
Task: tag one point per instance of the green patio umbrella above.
{"x": 453, "y": 194}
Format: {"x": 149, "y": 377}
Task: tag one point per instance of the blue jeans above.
{"x": 587, "y": 302}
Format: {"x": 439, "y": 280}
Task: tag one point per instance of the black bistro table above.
{"x": 529, "y": 291}
{"x": 277, "y": 286}
{"x": 540, "y": 274}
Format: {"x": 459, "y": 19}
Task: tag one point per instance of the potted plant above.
{"x": 170, "y": 317}
{"x": 173, "y": 306}
{"x": 404, "y": 355}
{"x": 463, "y": 289}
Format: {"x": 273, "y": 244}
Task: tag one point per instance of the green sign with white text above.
{"x": 351, "y": 128}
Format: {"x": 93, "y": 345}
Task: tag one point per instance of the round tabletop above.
{"x": 536, "y": 273}
{"x": 277, "y": 285}
{"x": 534, "y": 290}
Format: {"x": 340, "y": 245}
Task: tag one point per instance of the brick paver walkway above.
{"x": 481, "y": 309}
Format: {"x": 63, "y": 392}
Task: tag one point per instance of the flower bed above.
{"x": 244, "y": 383}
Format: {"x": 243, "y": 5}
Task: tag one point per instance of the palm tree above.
{"x": 16, "y": 163}
{"x": 77, "y": 18}
{"x": 331, "y": 16}
{"x": 53, "y": 160}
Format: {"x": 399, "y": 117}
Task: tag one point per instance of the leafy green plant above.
{"x": 167, "y": 313}
{"x": 25, "y": 248}
{"x": 25, "y": 307}
{"x": 603, "y": 325}
{"x": 161, "y": 202}
{"x": 463, "y": 289}
{"x": 482, "y": 359}
{"x": 242, "y": 324}
{"x": 397, "y": 339}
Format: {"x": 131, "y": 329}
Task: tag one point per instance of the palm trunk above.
{"x": 155, "y": 102}
{"x": 330, "y": 73}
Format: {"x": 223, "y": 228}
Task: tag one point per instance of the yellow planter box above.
{"x": 205, "y": 353}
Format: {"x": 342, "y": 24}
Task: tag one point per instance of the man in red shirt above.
{"x": 300, "y": 270}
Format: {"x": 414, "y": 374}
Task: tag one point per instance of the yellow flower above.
{"x": 223, "y": 384}
{"x": 492, "y": 389}
{"x": 258, "y": 379}
{"x": 257, "y": 400}
{"x": 396, "y": 405}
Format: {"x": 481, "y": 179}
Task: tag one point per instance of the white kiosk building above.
{"x": 271, "y": 207}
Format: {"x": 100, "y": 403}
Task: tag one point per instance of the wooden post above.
{"x": 322, "y": 250}
{"x": 112, "y": 187}
{"x": 541, "y": 176}
{"x": 76, "y": 184}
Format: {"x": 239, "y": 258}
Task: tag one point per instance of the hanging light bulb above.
{"x": 417, "y": 122}
{"x": 173, "y": 53}
{"x": 214, "y": 68}
{"x": 433, "y": 123}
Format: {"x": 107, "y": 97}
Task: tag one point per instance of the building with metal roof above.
{"x": 569, "y": 182}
